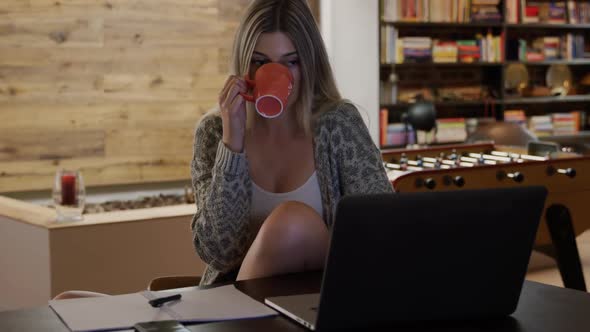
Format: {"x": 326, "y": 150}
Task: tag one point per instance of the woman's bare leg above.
{"x": 293, "y": 238}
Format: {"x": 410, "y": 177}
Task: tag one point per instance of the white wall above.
{"x": 351, "y": 32}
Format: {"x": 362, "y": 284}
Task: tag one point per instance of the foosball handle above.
{"x": 459, "y": 181}
{"x": 456, "y": 180}
{"x": 516, "y": 176}
{"x": 561, "y": 230}
{"x": 430, "y": 183}
{"x": 569, "y": 172}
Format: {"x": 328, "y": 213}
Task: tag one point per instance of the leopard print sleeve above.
{"x": 220, "y": 178}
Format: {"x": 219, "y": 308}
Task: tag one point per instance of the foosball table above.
{"x": 477, "y": 166}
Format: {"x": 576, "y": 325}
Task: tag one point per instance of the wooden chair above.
{"x": 170, "y": 282}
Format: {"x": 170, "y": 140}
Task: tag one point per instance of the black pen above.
{"x": 159, "y": 301}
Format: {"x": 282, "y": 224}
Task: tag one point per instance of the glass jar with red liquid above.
{"x": 69, "y": 195}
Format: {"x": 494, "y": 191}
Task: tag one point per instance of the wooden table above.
{"x": 541, "y": 308}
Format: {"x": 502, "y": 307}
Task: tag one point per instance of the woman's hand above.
{"x": 233, "y": 113}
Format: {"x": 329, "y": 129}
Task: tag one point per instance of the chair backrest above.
{"x": 170, "y": 282}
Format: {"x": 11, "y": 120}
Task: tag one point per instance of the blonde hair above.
{"x": 317, "y": 90}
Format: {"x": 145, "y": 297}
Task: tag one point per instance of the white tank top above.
{"x": 263, "y": 202}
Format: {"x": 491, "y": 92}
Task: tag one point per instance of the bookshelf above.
{"x": 464, "y": 55}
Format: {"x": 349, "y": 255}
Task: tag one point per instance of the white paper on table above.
{"x": 123, "y": 311}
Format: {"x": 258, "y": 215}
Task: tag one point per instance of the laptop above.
{"x": 422, "y": 257}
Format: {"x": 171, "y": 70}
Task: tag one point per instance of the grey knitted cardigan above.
{"x": 346, "y": 159}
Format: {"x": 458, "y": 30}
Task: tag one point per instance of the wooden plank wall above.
{"x": 112, "y": 87}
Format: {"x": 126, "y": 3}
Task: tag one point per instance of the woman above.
{"x": 266, "y": 189}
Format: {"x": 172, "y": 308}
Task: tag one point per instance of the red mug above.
{"x": 272, "y": 85}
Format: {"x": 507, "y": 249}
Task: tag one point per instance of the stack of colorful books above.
{"x": 565, "y": 123}
{"x": 444, "y": 51}
{"x": 417, "y": 49}
{"x": 468, "y": 51}
{"x": 515, "y": 116}
{"x": 541, "y": 125}
{"x": 551, "y": 48}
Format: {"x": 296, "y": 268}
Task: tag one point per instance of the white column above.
{"x": 350, "y": 29}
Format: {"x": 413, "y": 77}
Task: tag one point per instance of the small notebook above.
{"x": 120, "y": 312}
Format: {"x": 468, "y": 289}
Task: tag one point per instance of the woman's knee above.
{"x": 293, "y": 238}
{"x": 292, "y": 225}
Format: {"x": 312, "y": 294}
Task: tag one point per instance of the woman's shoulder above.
{"x": 342, "y": 111}
{"x": 340, "y": 115}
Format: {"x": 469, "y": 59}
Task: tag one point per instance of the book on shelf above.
{"x": 444, "y": 51}
{"x": 469, "y": 51}
{"x": 568, "y": 46}
{"x": 404, "y": 10}
{"x": 394, "y": 134}
{"x": 556, "y": 12}
{"x": 541, "y": 125}
{"x": 515, "y": 116}
{"x": 392, "y": 47}
{"x": 575, "y": 46}
{"x": 531, "y": 11}
{"x": 512, "y": 11}
{"x": 551, "y": 48}
{"x": 565, "y": 123}
{"x": 485, "y": 11}
{"x": 578, "y": 12}
{"x": 485, "y": 2}
{"x": 383, "y": 122}
{"x": 446, "y": 11}
{"x": 416, "y": 49}
{"x": 399, "y": 134}
{"x": 421, "y": 49}
{"x": 450, "y": 130}
{"x": 532, "y": 56}
{"x": 389, "y": 10}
